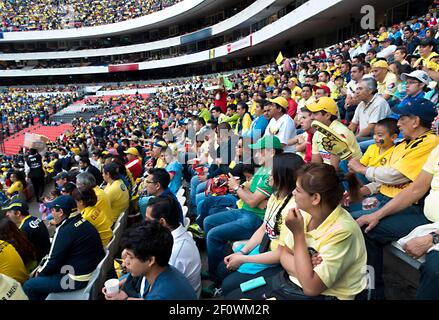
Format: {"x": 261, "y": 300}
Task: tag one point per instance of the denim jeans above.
{"x": 214, "y": 204}
{"x": 390, "y": 228}
{"x": 429, "y": 282}
{"x": 196, "y": 187}
{"x": 40, "y": 287}
{"x": 230, "y": 225}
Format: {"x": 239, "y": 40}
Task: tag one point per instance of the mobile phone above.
{"x": 252, "y": 284}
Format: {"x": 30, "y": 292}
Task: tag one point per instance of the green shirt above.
{"x": 260, "y": 182}
{"x": 205, "y": 114}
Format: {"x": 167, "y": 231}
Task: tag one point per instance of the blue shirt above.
{"x": 176, "y": 181}
{"x": 257, "y": 128}
{"x": 407, "y": 101}
{"x": 171, "y": 284}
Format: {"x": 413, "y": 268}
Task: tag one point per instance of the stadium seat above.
{"x": 83, "y": 294}
{"x": 395, "y": 249}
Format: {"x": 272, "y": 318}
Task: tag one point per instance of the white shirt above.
{"x": 374, "y": 111}
{"x": 185, "y": 257}
{"x": 284, "y": 129}
{"x": 386, "y": 51}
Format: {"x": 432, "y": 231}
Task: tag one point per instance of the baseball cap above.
{"x": 267, "y": 142}
{"x": 17, "y": 205}
{"x": 324, "y": 104}
{"x": 281, "y": 101}
{"x": 418, "y": 75}
{"x": 160, "y": 144}
{"x": 381, "y": 64}
{"x": 322, "y": 86}
{"x": 422, "y": 108}
{"x": 67, "y": 203}
{"x": 61, "y": 175}
{"x": 132, "y": 151}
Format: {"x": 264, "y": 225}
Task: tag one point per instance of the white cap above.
{"x": 417, "y": 74}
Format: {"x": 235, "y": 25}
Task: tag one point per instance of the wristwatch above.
{"x": 435, "y": 237}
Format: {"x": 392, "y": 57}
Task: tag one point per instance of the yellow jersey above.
{"x": 117, "y": 192}
{"x": 11, "y": 263}
{"x": 102, "y": 224}
{"x": 340, "y": 243}
{"x": 373, "y": 158}
{"x": 408, "y": 158}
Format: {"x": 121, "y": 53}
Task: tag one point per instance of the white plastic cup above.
{"x": 112, "y": 286}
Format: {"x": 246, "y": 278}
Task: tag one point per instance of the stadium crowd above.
{"x": 29, "y": 15}
{"x": 317, "y": 162}
{"x": 19, "y": 110}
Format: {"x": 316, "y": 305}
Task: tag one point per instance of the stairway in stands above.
{"x": 68, "y": 117}
{"x": 15, "y": 142}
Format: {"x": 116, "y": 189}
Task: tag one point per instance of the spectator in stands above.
{"x": 34, "y": 228}
{"x": 116, "y": 190}
{"x": 405, "y": 211}
{"x": 134, "y": 164}
{"x": 372, "y": 108}
{"x": 239, "y": 224}
{"x": 281, "y": 125}
{"x": 185, "y": 256}
{"x": 417, "y": 82}
{"x": 18, "y": 184}
{"x": 86, "y": 166}
{"x": 147, "y": 251}
{"x": 259, "y": 124}
{"x": 387, "y": 81}
{"x": 387, "y": 50}
{"x": 429, "y": 58}
{"x": 411, "y": 42}
{"x": 325, "y": 111}
{"x": 347, "y": 110}
{"x": 86, "y": 180}
{"x": 403, "y": 168}
{"x": 259, "y": 256}
{"x": 76, "y": 244}
{"x": 86, "y": 201}
{"x": 317, "y": 194}
{"x": 400, "y": 55}
{"x": 245, "y": 119}
{"x": 17, "y": 254}
{"x": 231, "y": 115}
{"x": 157, "y": 185}
{"x": 292, "y": 104}
{"x": 173, "y": 167}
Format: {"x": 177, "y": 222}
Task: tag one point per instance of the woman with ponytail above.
{"x": 259, "y": 256}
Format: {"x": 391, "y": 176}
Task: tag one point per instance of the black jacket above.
{"x": 76, "y": 243}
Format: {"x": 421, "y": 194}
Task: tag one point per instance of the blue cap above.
{"x": 422, "y": 108}
{"x": 67, "y": 203}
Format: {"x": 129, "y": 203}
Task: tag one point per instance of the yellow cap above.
{"x": 132, "y": 151}
{"x": 381, "y": 64}
{"x": 324, "y": 104}
{"x": 280, "y": 101}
